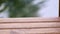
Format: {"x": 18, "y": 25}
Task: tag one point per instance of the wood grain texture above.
{"x": 30, "y": 25}
{"x": 4, "y": 31}
{"x": 28, "y": 20}
{"x": 43, "y": 30}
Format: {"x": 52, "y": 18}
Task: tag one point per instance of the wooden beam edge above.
{"x": 28, "y": 20}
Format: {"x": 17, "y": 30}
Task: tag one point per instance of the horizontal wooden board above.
{"x": 4, "y": 31}
{"x": 43, "y": 30}
{"x": 28, "y": 20}
{"x": 30, "y": 31}
{"x": 30, "y": 25}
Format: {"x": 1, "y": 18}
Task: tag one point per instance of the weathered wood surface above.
{"x": 28, "y": 20}
{"x": 29, "y": 25}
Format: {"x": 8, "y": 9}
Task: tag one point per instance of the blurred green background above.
{"x": 21, "y": 8}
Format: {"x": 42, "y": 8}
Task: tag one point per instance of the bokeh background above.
{"x": 49, "y": 9}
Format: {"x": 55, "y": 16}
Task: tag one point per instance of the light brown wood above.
{"x": 25, "y": 31}
{"x": 28, "y": 20}
{"x": 4, "y": 31}
{"x": 30, "y": 25}
{"x": 42, "y": 30}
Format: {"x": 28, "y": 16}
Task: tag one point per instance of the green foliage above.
{"x": 21, "y": 8}
{"x": 3, "y": 1}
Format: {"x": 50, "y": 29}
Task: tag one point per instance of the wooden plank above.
{"x": 43, "y": 30}
{"x": 31, "y": 31}
{"x": 42, "y": 33}
{"x": 28, "y": 20}
{"x": 22, "y": 32}
{"x": 4, "y": 31}
{"x": 30, "y": 25}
